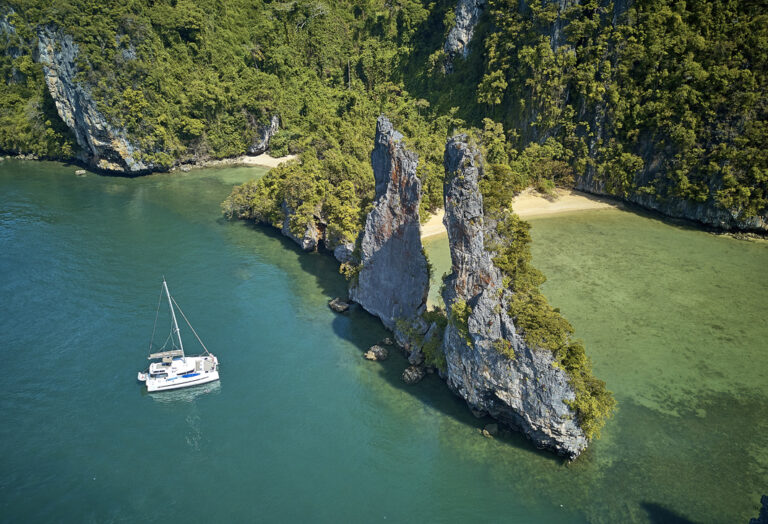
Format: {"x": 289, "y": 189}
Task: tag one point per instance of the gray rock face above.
{"x": 708, "y": 212}
{"x": 8, "y": 32}
{"x": 457, "y": 43}
{"x": 527, "y": 392}
{"x": 106, "y": 147}
{"x": 393, "y": 281}
{"x": 343, "y": 252}
{"x": 263, "y": 136}
{"x": 310, "y": 237}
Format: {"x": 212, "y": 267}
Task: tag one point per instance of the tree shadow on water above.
{"x": 362, "y": 330}
{"x": 659, "y": 514}
{"x": 320, "y": 264}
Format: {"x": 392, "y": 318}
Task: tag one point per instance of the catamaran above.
{"x": 175, "y": 369}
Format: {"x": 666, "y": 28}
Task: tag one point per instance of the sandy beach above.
{"x": 529, "y": 204}
{"x": 263, "y": 160}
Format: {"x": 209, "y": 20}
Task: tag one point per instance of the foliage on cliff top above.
{"x": 542, "y": 326}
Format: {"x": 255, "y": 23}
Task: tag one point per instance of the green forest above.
{"x": 664, "y": 98}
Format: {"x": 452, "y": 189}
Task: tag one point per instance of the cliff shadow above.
{"x": 659, "y": 514}
{"x": 362, "y": 329}
{"x": 321, "y": 265}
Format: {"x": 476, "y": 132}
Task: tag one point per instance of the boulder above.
{"x": 377, "y": 352}
{"x": 338, "y": 305}
{"x": 343, "y": 252}
{"x": 413, "y": 374}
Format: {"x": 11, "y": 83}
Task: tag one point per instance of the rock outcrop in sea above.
{"x": 105, "y": 146}
{"x": 527, "y": 392}
{"x": 393, "y": 280}
{"x": 467, "y": 13}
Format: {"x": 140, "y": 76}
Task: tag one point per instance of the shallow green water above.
{"x": 300, "y": 426}
{"x": 675, "y": 322}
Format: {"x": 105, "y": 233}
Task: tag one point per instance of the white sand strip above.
{"x": 529, "y": 204}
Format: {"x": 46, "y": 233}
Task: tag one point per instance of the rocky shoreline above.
{"x": 521, "y": 388}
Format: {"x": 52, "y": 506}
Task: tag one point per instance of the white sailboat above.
{"x": 174, "y": 369}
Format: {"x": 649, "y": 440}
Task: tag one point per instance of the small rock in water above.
{"x": 388, "y": 341}
{"x": 80, "y": 172}
{"x": 377, "y": 353}
{"x": 492, "y": 429}
{"x": 413, "y": 374}
{"x": 185, "y": 169}
{"x": 338, "y": 305}
{"x": 486, "y": 433}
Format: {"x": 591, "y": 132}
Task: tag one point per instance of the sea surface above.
{"x": 302, "y": 428}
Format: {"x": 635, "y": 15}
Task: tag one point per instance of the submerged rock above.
{"x": 105, "y": 146}
{"x": 338, "y": 305}
{"x": 393, "y": 281}
{"x": 377, "y": 353}
{"x": 525, "y": 391}
{"x": 413, "y": 374}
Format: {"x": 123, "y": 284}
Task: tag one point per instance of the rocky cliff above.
{"x": 104, "y": 146}
{"x": 467, "y": 13}
{"x": 527, "y": 392}
{"x": 262, "y": 135}
{"x": 393, "y": 280}
{"x": 656, "y": 151}
{"x": 707, "y": 212}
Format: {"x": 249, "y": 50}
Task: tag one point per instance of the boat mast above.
{"x": 173, "y": 315}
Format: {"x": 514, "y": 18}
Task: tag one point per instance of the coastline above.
{"x": 529, "y": 204}
{"x": 262, "y": 160}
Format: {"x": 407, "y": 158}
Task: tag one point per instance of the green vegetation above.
{"x": 459, "y": 318}
{"x": 667, "y": 98}
{"x": 542, "y": 325}
{"x": 433, "y": 348}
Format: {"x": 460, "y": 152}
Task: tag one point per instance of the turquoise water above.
{"x": 300, "y": 426}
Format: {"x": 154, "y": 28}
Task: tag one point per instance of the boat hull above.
{"x": 154, "y": 385}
